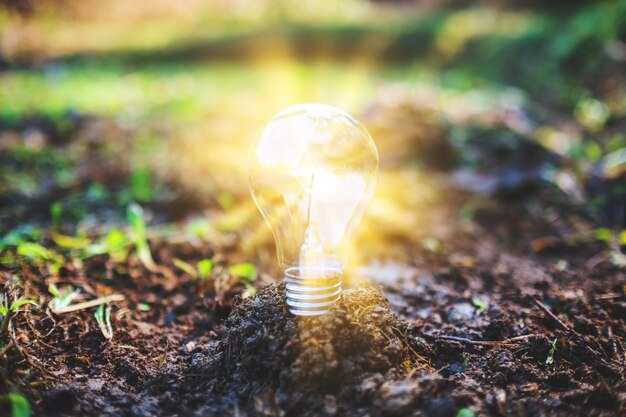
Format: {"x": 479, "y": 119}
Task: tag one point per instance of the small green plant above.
{"x": 205, "y": 267}
{"x": 56, "y": 210}
{"x": 19, "y": 405}
{"x": 603, "y": 234}
{"x": 114, "y": 244}
{"x": 38, "y": 254}
{"x": 141, "y": 185}
{"x": 62, "y": 300}
{"x": 200, "y": 228}
{"x": 19, "y": 235}
{"x": 103, "y": 317}
{"x": 70, "y": 242}
{"x": 465, "y": 412}
{"x": 550, "y": 358}
{"x": 185, "y": 267}
{"x": 246, "y": 273}
{"x": 8, "y": 311}
{"x": 201, "y": 271}
{"x": 137, "y": 224}
{"x": 479, "y": 304}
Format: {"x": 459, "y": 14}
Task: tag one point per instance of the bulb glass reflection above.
{"x": 312, "y": 172}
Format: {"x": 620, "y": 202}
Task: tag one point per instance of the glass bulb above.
{"x": 312, "y": 172}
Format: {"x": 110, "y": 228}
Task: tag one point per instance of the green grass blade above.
{"x": 19, "y": 405}
{"x": 19, "y": 303}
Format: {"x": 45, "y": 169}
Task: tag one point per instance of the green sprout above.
{"x": 200, "y": 228}
{"x": 201, "y": 271}
{"x": 465, "y": 412}
{"x": 479, "y": 304}
{"x": 245, "y": 270}
{"x": 19, "y": 235}
{"x": 103, "y": 317}
{"x": 550, "y": 358}
{"x": 603, "y": 234}
{"x": 115, "y": 244}
{"x": 70, "y": 242}
{"x": 205, "y": 267}
{"x": 56, "y": 210}
{"x": 246, "y": 273}
{"x": 141, "y": 185}
{"x": 137, "y": 223}
{"x": 19, "y": 405}
{"x": 8, "y": 311}
{"x": 62, "y": 300}
{"x": 185, "y": 267}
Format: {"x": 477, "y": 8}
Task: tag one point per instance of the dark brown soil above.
{"x": 500, "y": 331}
{"x": 326, "y": 365}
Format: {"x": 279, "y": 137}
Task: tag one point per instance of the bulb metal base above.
{"x": 312, "y": 292}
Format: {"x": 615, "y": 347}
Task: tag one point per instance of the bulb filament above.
{"x": 314, "y": 285}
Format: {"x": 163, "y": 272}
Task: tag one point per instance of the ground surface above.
{"x": 489, "y": 326}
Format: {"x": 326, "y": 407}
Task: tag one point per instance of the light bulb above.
{"x": 312, "y": 172}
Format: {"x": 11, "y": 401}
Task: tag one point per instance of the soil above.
{"x": 486, "y": 325}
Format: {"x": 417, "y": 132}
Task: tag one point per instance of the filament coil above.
{"x": 312, "y": 292}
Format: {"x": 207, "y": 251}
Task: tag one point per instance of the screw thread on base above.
{"x": 312, "y": 294}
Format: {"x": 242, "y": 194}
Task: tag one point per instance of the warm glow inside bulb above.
{"x": 312, "y": 172}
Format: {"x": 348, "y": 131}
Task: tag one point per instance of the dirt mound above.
{"x": 309, "y": 365}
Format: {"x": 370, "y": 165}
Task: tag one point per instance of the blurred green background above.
{"x": 156, "y": 102}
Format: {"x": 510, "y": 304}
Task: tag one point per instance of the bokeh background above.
{"x": 471, "y": 103}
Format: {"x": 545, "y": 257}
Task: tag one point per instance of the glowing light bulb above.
{"x": 312, "y": 172}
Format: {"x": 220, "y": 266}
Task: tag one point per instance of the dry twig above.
{"x": 506, "y": 342}
{"x": 88, "y": 304}
{"x": 546, "y": 310}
